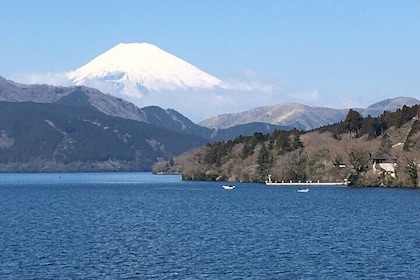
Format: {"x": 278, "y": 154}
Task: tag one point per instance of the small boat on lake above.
{"x": 303, "y": 190}
{"x": 228, "y": 187}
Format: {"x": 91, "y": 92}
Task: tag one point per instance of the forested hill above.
{"x": 331, "y": 153}
{"x": 39, "y": 137}
{"x": 372, "y": 127}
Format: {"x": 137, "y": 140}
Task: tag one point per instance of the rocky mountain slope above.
{"x": 301, "y": 116}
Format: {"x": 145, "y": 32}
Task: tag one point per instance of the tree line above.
{"x": 337, "y": 152}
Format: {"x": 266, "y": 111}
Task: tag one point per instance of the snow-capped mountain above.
{"x": 135, "y": 69}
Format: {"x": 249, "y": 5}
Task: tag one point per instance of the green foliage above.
{"x": 295, "y": 142}
{"x": 359, "y": 160}
{"x": 284, "y": 141}
{"x": 387, "y": 179}
{"x": 409, "y": 142}
{"x": 412, "y": 172}
{"x": 249, "y": 143}
{"x": 215, "y": 153}
{"x": 401, "y": 116}
{"x": 373, "y": 127}
{"x": 248, "y": 149}
{"x": 264, "y": 162}
{"x": 353, "y": 122}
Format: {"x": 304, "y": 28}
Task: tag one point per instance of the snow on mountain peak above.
{"x": 136, "y": 68}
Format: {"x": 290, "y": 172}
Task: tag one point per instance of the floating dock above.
{"x": 306, "y": 183}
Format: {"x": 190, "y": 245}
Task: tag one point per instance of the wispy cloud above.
{"x": 250, "y": 80}
{"x": 55, "y": 79}
{"x": 246, "y": 86}
{"x": 305, "y": 96}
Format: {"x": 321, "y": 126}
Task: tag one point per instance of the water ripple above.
{"x": 187, "y": 230}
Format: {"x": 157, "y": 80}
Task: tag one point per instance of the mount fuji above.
{"x": 134, "y": 70}
{"x": 146, "y": 75}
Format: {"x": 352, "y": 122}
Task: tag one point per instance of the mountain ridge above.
{"x": 108, "y": 104}
{"x": 302, "y": 116}
{"x": 221, "y": 127}
{"x": 118, "y": 107}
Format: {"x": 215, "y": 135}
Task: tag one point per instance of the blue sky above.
{"x": 319, "y": 53}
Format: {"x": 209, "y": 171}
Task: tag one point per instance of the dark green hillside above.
{"x": 54, "y": 137}
{"x": 172, "y": 120}
{"x": 77, "y": 98}
{"x": 373, "y": 127}
{"x": 248, "y": 129}
{"x": 235, "y": 158}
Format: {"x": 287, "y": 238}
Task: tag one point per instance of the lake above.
{"x": 144, "y": 226}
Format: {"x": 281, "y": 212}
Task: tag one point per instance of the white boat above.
{"x": 228, "y": 187}
{"x": 303, "y": 190}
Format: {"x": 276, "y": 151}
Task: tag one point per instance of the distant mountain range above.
{"x": 50, "y": 128}
{"x": 301, "y": 116}
{"x": 222, "y": 127}
{"x": 118, "y": 107}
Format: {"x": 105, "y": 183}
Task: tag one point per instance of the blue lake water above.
{"x": 143, "y": 226}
